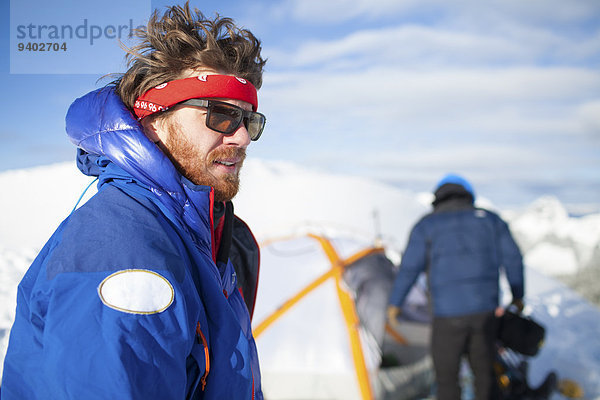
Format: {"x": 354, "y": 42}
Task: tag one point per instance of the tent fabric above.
{"x": 311, "y": 341}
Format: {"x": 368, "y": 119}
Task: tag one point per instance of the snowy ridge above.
{"x": 279, "y": 198}
{"x": 554, "y": 242}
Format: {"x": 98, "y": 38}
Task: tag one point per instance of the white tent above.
{"x": 310, "y": 340}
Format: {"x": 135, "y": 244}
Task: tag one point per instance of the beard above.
{"x": 196, "y": 167}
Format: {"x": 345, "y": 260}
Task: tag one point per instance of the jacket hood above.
{"x": 452, "y": 196}
{"x": 454, "y": 189}
{"x": 112, "y": 145}
{"x": 100, "y": 125}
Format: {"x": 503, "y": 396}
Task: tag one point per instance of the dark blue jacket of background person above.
{"x": 462, "y": 249}
{"x": 131, "y": 298}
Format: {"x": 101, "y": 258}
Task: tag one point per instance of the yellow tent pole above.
{"x": 346, "y": 302}
{"x": 351, "y": 319}
{"x": 288, "y": 304}
{"x": 270, "y": 241}
{"x": 260, "y": 328}
{"x": 363, "y": 253}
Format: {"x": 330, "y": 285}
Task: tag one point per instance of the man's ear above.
{"x": 151, "y": 126}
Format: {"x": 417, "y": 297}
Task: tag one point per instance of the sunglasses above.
{"x": 226, "y": 118}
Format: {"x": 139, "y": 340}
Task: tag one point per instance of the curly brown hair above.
{"x": 181, "y": 40}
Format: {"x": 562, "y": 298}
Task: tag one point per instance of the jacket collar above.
{"x": 112, "y": 145}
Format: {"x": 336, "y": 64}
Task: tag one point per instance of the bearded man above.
{"x": 147, "y": 290}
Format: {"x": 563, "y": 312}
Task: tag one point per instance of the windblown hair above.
{"x": 183, "y": 40}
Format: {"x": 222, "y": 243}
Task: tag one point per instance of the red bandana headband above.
{"x": 170, "y": 93}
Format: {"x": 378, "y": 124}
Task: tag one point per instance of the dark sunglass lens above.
{"x": 224, "y": 119}
{"x": 255, "y": 124}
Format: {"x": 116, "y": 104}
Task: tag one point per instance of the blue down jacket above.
{"x": 462, "y": 249}
{"x": 176, "y": 328}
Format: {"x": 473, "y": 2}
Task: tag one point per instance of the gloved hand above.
{"x": 392, "y": 315}
{"x": 518, "y": 304}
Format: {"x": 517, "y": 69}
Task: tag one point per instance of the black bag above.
{"x": 521, "y": 334}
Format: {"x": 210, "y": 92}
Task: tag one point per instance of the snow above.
{"x": 554, "y": 242}
{"x": 279, "y": 199}
{"x": 552, "y": 259}
{"x": 572, "y": 347}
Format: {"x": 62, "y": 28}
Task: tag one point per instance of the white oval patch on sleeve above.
{"x": 137, "y": 291}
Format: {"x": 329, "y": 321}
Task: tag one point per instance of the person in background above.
{"x": 147, "y": 290}
{"x": 462, "y": 249}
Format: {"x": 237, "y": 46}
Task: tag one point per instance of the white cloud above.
{"x": 504, "y": 88}
{"x": 408, "y": 45}
{"x": 436, "y": 33}
{"x": 521, "y": 124}
{"x": 438, "y": 47}
{"x": 341, "y": 10}
{"x": 473, "y": 11}
{"x": 477, "y": 160}
{"x": 532, "y": 94}
{"x": 589, "y": 116}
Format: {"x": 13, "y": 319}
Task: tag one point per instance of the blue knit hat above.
{"x": 458, "y": 180}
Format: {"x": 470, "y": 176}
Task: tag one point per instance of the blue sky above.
{"x": 505, "y": 92}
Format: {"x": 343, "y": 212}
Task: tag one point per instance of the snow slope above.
{"x": 571, "y": 347}
{"x": 279, "y": 198}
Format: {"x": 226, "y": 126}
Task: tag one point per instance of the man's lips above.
{"x": 227, "y": 162}
{"x": 228, "y": 159}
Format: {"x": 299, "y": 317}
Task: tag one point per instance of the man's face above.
{"x": 202, "y": 155}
